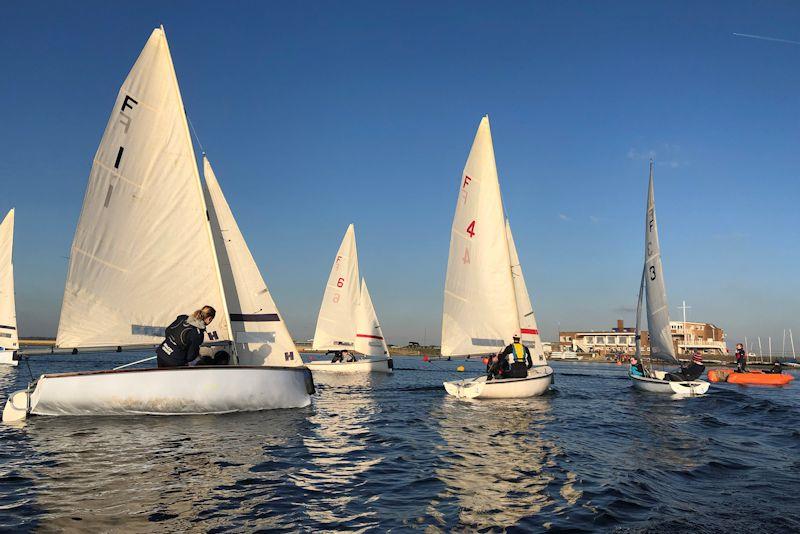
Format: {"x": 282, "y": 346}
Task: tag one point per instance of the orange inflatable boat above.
{"x": 751, "y": 377}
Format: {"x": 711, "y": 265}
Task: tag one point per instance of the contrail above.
{"x": 762, "y": 38}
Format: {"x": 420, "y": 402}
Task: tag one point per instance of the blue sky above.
{"x": 318, "y": 114}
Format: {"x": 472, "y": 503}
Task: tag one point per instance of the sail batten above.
{"x": 143, "y": 251}
{"x": 480, "y": 310}
{"x": 260, "y": 335}
{"x": 9, "y": 338}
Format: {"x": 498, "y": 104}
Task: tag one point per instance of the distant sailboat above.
{"x": 9, "y": 342}
{"x": 347, "y": 318}
{"x": 143, "y": 253}
{"x": 486, "y": 300}
{"x": 661, "y": 346}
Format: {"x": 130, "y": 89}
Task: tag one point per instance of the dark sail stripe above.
{"x": 8, "y": 327}
{"x": 255, "y": 317}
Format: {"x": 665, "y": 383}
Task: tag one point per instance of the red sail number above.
{"x": 340, "y": 282}
{"x": 471, "y": 229}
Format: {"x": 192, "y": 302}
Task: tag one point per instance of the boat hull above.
{"x": 537, "y": 383}
{"x": 167, "y": 391}
{"x": 657, "y": 385}
{"x": 363, "y": 365}
{"x": 7, "y": 357}
{"x": 753, "y": 378}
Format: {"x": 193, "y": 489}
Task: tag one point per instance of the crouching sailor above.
{"x": 184, "y": 337}
{"x": 519, "y": 357}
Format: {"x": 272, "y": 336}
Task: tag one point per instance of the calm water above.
{"x": 398, "y": 453}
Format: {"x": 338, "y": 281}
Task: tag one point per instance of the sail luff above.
{"x": 259, "y": 331}
{"x": 660, "y": 334}
{"x": 480, "y": 311}
{"x": 9, "y": 337}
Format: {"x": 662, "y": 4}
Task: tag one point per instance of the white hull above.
{"x": 656, "y": 385}
{"x": 363, "y": 365}
{"x": 166, "y": 391}
{"x": 7, "y": 358}
{"x": 537, "y": 382}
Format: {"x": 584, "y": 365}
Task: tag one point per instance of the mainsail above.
{"x": 369, "y": 336}
{"x": 480, "y": 309}
{"x": 260, "y": 334}
{"x": 143, "y": 251}
{"x": 661, "y": 346}
{"x": 529, "y": 331}
{"x": 8, "y": 313}
{"x": 336, "y": 325}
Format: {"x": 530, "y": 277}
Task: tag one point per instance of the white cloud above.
{"x": 563, "y": 217}
{"x": 594, "y": 219}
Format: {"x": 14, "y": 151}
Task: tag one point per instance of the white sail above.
{"x": 529, "y": 331}
{"x": 480, "y": 310}
{"x": 661, "y": 346}
{"x": 336, "y": 324}
{"x": 8, "y": 310}
{"x": 143, "y": 251}
{"x": 258, "y": 329}
{"x": 369, "y": 336}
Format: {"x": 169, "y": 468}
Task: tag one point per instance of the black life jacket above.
{"x": 177, "y": 336}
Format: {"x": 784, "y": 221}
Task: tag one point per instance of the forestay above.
{"x": 480, "y": 310}
{"x": 260, "y": 334}
{"x": 661, "y": 346}
{"x": 143, "y": 251}
{"x": 529, "y": 331}
{"x": 8, "y": 313}
{"x": 369, "y": 336}
{"x": 336, "y": 322}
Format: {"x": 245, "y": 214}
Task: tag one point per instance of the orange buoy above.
{"x": 485, "y": 361}
{"x": 619, "y": 362}
{"x": 425, "y": 359}
{"x": 460, "y": 368}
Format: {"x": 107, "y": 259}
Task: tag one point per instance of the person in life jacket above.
{"x": 636, "y": 368}
{"x": 741, "y": 359}
{"x": 519, "y": 358}
{"x": 184, "y": 337}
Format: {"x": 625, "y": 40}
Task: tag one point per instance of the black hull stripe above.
{"x": 255, "y": 317}
{"x": 8, "y": 327}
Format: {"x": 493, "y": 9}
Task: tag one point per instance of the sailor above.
{"x": 519, "y": 357}
{"x": 688, "y": 372}
{"x": 348, "y": 356}
{"x": 496, "y": 367}
{"x": 337, "y": 356}
{"x": 184, "y": 337}
{"x": 741, "y": 359}
{"x": 636, "y": 368}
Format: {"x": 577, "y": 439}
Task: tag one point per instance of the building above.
{"x": 704, "y": 337}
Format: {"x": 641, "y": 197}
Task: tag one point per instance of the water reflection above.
{"x": 110, "y": 472}
{"x": 335, "y": 472}
{"x": 496, "y": 466}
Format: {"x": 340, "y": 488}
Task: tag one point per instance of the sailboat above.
{"x": 347, "y": 319}
{"x": 486, "y": 300}
{"x": 9, "y": 342}
{"x": 148, "y": 247}
{"x": 661, "y": 346}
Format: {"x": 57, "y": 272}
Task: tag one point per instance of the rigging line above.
{"x": 196, "y": 137}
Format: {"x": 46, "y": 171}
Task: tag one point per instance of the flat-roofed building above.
{"x": 703, "y": 337}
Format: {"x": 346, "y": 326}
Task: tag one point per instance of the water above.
{"x": 397, "y": 453}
